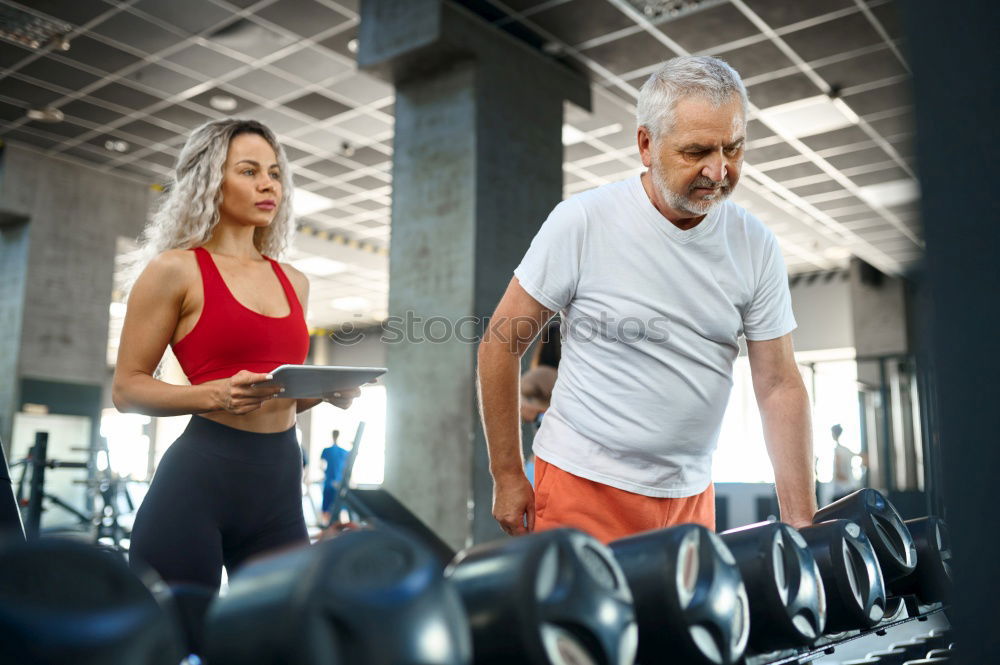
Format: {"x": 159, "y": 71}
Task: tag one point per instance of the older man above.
{"x": 657, "y": 277}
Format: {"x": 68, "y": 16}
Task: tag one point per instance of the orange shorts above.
{"x": 608, "y": 513}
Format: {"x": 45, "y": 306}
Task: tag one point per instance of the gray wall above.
{"x": 823, "y": 311}
{"x": 74, "y": 215}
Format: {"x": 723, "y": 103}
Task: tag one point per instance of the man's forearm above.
{"x": 788, "y": 435}
{"x": 498, "y": 378}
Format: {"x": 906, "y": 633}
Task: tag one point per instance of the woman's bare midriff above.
{"x": 274, "y": 415}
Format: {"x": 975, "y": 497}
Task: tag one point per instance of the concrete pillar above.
{"x": 477, "y": 168}
{"x": 57, "y": 259}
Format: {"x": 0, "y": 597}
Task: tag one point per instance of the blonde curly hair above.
{"x": 187, "y": 213}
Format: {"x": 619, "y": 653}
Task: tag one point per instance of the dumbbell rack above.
{"x": 855, "y": 644}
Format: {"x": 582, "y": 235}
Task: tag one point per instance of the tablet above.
{"x": 311, "y": 381}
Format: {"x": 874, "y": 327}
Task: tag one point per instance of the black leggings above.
{"x": 219, "y": 496}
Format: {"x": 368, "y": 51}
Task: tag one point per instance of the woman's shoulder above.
{"x": 175, "y": 265}
{"x": 295, "y": 276}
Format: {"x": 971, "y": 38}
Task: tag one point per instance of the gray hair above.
{"x": 188, "y": 212}
{"x": 690, "y": 75}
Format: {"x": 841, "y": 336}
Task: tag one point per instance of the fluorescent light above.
{"x": 893, "y": 193}
{"x": 319, "y": 266}
{"x": 571, "y": 135}
{"x": 306, "y": 202}
{"x": 349, "y": 303}
{"x": 813, "y": 115}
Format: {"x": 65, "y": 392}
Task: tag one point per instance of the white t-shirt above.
{"x": 651, "y": 321}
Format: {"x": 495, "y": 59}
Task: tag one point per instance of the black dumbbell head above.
{"x": 68, "y": 602}
{"x": 551, "y": 597}
{"x": 787, "y": 601}
{"x": 852, "y": 579}
{"x": 689, "y": 597}
{"x": 931, "y": 580}
{"x": 372, "y": 596}
{"x": 878, "y": 518}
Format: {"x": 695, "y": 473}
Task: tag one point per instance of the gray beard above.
{"x": 686, "y": 204}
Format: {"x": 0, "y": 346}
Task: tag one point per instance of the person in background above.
{"x": 334, "y": 458}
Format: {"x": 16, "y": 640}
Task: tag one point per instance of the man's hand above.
{"x": 513, "y": 501}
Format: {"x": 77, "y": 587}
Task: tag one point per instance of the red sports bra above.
{"x": 229, "y": 337}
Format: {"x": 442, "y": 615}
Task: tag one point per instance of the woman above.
{"x": 229, "y": 487}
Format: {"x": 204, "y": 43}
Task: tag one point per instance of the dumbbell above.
{"x": 891, "y": 540}
{"x": 783, "y": 583}
{"x": 554, "y": 597}
{"x": 69, "y": 602}
{"x": 689, "y": 597}
{"x": 931, "y": 580}
{"x": 852, "y": 579}
{"x": 370, "y": 596}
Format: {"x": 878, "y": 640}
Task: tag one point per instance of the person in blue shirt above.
{"x": 334, "y": 458}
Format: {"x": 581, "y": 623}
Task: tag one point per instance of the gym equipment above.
{"x": 10, "y": 514}
{"x": 378, "y": 507}
{"x": 889, "y": 536}
{"x": 67, "y": 602}
{"x": 555, "y": 597}
{"x": 931, "y": 580}
{"x": 852, "y": 579}
{"x": 369, "y": 596}
{"x": 689, "y": 597}
{"x": 783, "y": 583}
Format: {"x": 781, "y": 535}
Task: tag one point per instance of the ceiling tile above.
{"x": 770, "y": 153}
{"x": 887, "y": 14}
{"x": 339, "y": 42}
{"x": 629, "y": 53}
{"x": 31, "y": 139}
{"x": 279, "y": 122}
{"x": 573, "y": 23}
{"x": 317, "y": 105}
{"x": 204, "y": 100}
{"x": 30, "y": 95}
{"x": 179, "y": 115}
{"x": 858, "y": 158}
{"x": 98, "y": 54}
{"x": 782, "y": 90}
{"x": 152, "y": 133}
{"x": 10, "y": 112}
{"x": 368, "y": 182}
{"x": 117, "y": 93}
{"x": 192, "y": 16}
{"x": 779, "y": 13}
{"x": 312, "y": 64}
{"x": 160, "y": 158}
{"x": 756, "y": 59}
{"x": 876, "y": 177}
{"x": 264, "y": 84}
{"x": 77, "y": 11}
{"x": 136, "y": 32}
{"x": 65, "y": 128}
{"x": 845, "y": 201}
{"x": 293, "y": 153}
{"x": 322, "y": 141}
{"x": 50, "y": 71}
{"x": 843, "y": 34}
{"x": 757, "y": 130}
{"x": 249, "y": 38}
{"x": 162, "y": 79}
{"x": 578, "y": 151}
{"x": 329, "y": 168}
{"x": 881, "y": 99}
{"x": 794, "y": 171}
{"x": 97, "y": 156}
{"x": 837, "y": 137}
{"x": 11, "y": 54}
{"x": 206, "y": 62}
{"x": 817, "y": 188}
{"x": 369, "y": 156}
{"x": 705, "y": 28}
{"x": 87, "y": 111}
{"x": 363, "y": 88}
{"x": 894, "y": 125}
{"x": 881, "y": 64}
{"x": 365, "y": 125}
{"x": 304, "y": 17}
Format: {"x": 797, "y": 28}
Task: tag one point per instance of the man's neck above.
{"x": 683, "y": 221}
